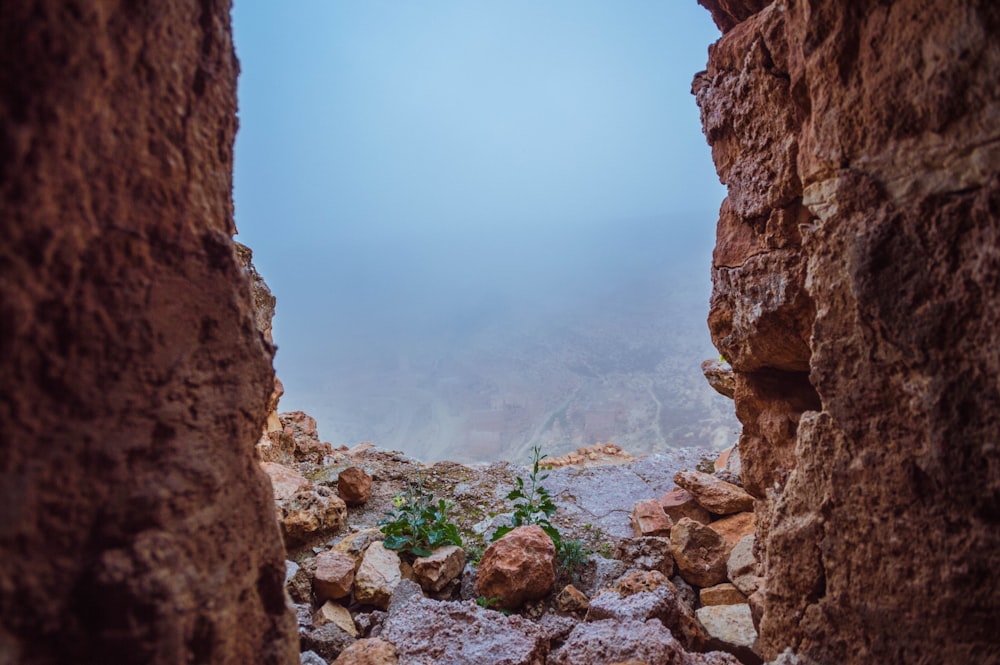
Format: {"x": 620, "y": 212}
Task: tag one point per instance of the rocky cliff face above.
{"x": 856, "y": 276}
{"x": 135, "y": 526}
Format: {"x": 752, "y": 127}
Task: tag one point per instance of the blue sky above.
{"x": 392, "y": 152}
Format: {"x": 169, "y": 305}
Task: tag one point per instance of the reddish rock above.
{"x": 334, "y": 575}
{"x": 434, "y": 572}
{"x": 306, "y": 511}
{"x": 722, "y": 594}
{"x": 302, "y": 428}
{"x": 715, "y": 495}
{"x": 135, "y": 527}
{"x": 700, "y": 553}
{"x": 354, "y": 486}
{"x": 734, "y": 527}
{"x": 678, "y": 503}
{"x": 572, "y": 601}
{"x": 852, "y": 279}
{"x": 648, "y": 519}
{"x": 368, "y": 652}
{"x": 517, "y": 568}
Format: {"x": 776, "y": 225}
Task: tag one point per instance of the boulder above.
{"x": 722, "y": 594}
{"x": 443, "y": 565}
{"x": 734, "y": 527}
{"x": 377, "y": 576}
{"x": 368, "y": 652}
{"x": 334, "y": 575}
{"x": 518, "y": 567}
{"x": 459, "y": 633}
{"x": 648, "y": 519}
{"x": 678, "y": 503}
{"x": 700, "y": 553}
{"x": 741, "y": 568}
{"x": 715, "y": 495}
{"x": 302, "y": 428}
{"x": 572, "y": 601}
{"x": 730, "y": 628}
{"x": 649, "y": 553}
{"x": 354, "y": 486}
{"x": 332, "y": 612}
{"x": 610, "y": 641}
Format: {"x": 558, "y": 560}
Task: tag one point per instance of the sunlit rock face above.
{"x": 135, "y": 526}
{"x": 856, "y": 278}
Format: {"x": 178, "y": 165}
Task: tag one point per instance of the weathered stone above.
{"x": 327, "y": 640}
{"x": 649, "y": 595}
{"x": 452, "y": 633}
{"x": 332, "y": 612}
{"x": 741, "y": 568}
{"x": 722, "y": 594}
{"x": 571, "y": 600}
{"x": 730, "y": 629}
{"x": 729, "y": 466}
{"x": 518, "y": 567}
{"x": 334, "y": 576}
{"x": 700, "y": 553}
{"x": 610, "y": 640}
{"x": 646, "y": 554}
{"x": 734, "y": 527}
{"x": 444, "y": 564}
{"x": 405, "y": 592}
{"x": 715, "y": 495}
{"x": 720, "y": 377}
{"x": 285, "y": 481}
{"x": 678, "y": 503}
{"x": 648, "y": 519}
{"x": 368, "y": 652}
{"x": 354, "y": 486}
{"x": 377, "y": 576}
{"x": 300, "y": 585}
{"x": 311, "y": 658}
{"x": 356, "y": 543}
{"x": 135, "y": 527}
{"x": 302, "y": 428}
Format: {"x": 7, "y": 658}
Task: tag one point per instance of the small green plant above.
{"x": 606, "y": 550}
{"x": 488, "y": 603}
{"x": 417, "y": 524}
{"x": 706, "y": 465}
{"x": 532, "y": 503}
{"x": 571, "y": 554}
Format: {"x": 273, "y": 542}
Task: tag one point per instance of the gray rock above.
{"x": 685, "y": 591}
{"x": 599, "y": 573}
{"x": 661, "y": 603}
{"x": 369, "y": 623}
{"x": 611, "y": 641}
{"x": 404, "y": 592}
{"x": 730, "y": 628}
{"x": 430, "y": 632}
{"x": 311, "y": 658}
{"x": 290, "y": 569}
{"x": 328, "y": 640}
{"x": 647, "y": 553}
{"x": 741, "y": 568}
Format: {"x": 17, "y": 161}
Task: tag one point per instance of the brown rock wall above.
{"x": 855, "y": 295}
{"x": 136, "y": 526}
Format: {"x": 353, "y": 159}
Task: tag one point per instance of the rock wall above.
{"x": 135, "y": 524}
{"x": 856, "y": 281}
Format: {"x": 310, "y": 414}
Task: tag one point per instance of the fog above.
{"x": 488, "y": 225}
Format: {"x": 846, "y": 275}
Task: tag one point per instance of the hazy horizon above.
{"x": 450, "y": 195}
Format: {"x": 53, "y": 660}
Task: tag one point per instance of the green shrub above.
{"x": 532, "y": 504}
{"x": 418, "y": 525}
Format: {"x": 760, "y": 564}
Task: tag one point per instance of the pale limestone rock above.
{"x": 377, "y": 576}
{"x": 443, "y": 565}
{"x": 332, "y": 612}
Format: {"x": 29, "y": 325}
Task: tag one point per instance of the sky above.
{"x": 402, "y": 164}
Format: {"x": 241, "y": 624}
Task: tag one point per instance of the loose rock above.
{"x": 518, "y": 567}
{"x": 572, "y": 601}
{"x": 648, "y": 519}
{"x": 734, "y": 527}
{"x": 368, "y": 652}
{"x": 700, "y": 553}
{"x": 678, "y": 503}
{"x": 715, "y": 495}
{"x": 650, "y": 553}
{"x": 334, "y": 576}
{"x": 731, "y": 629}
{"x": 332, "y": 612}
{"x": 741, "y": 568}
{"x": 377, "y": 576}
{"x": 444, "y": 564}
{"x": 327, "y": 640}
{"x": 610, "y": 641}
{"x": 722, "y": 594}
{"x": 354, "y": 486}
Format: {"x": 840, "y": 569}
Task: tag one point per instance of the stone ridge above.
{"x": 855, "y": 279}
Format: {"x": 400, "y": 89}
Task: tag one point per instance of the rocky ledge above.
{"x": 654, "y": 562}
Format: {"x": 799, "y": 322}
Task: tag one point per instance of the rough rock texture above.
{"x": 377, "y": 576}
{"x": 334, "y": 575}
{"x": 648, "y": 519}
{"x": 426, "y": 631}
{"x": 722, "y": 594}
{"x": 518, "y": 567}
{"x": 610, "y": 641}
{"x": 443, "y": 565}
{"x": 368, "y": 652}
{"x": 730, "y": 629}
{"x": 734, "y": 527}
{"x": 136, "y": 527}
{"x": 855, "y": 280}
{"x": 354, "y": 486}
{"x": 700, "y": 553}
{"x": 713, "y": 494}
{"x": 678, "y": 503}
{"x": 306, "y": 511}
{"x": 720, "y": 377}
{"x": 646, "y": 554}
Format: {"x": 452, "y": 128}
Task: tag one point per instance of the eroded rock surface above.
{"x": 136, "y": 527}
{"x": 855, "y": 279}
